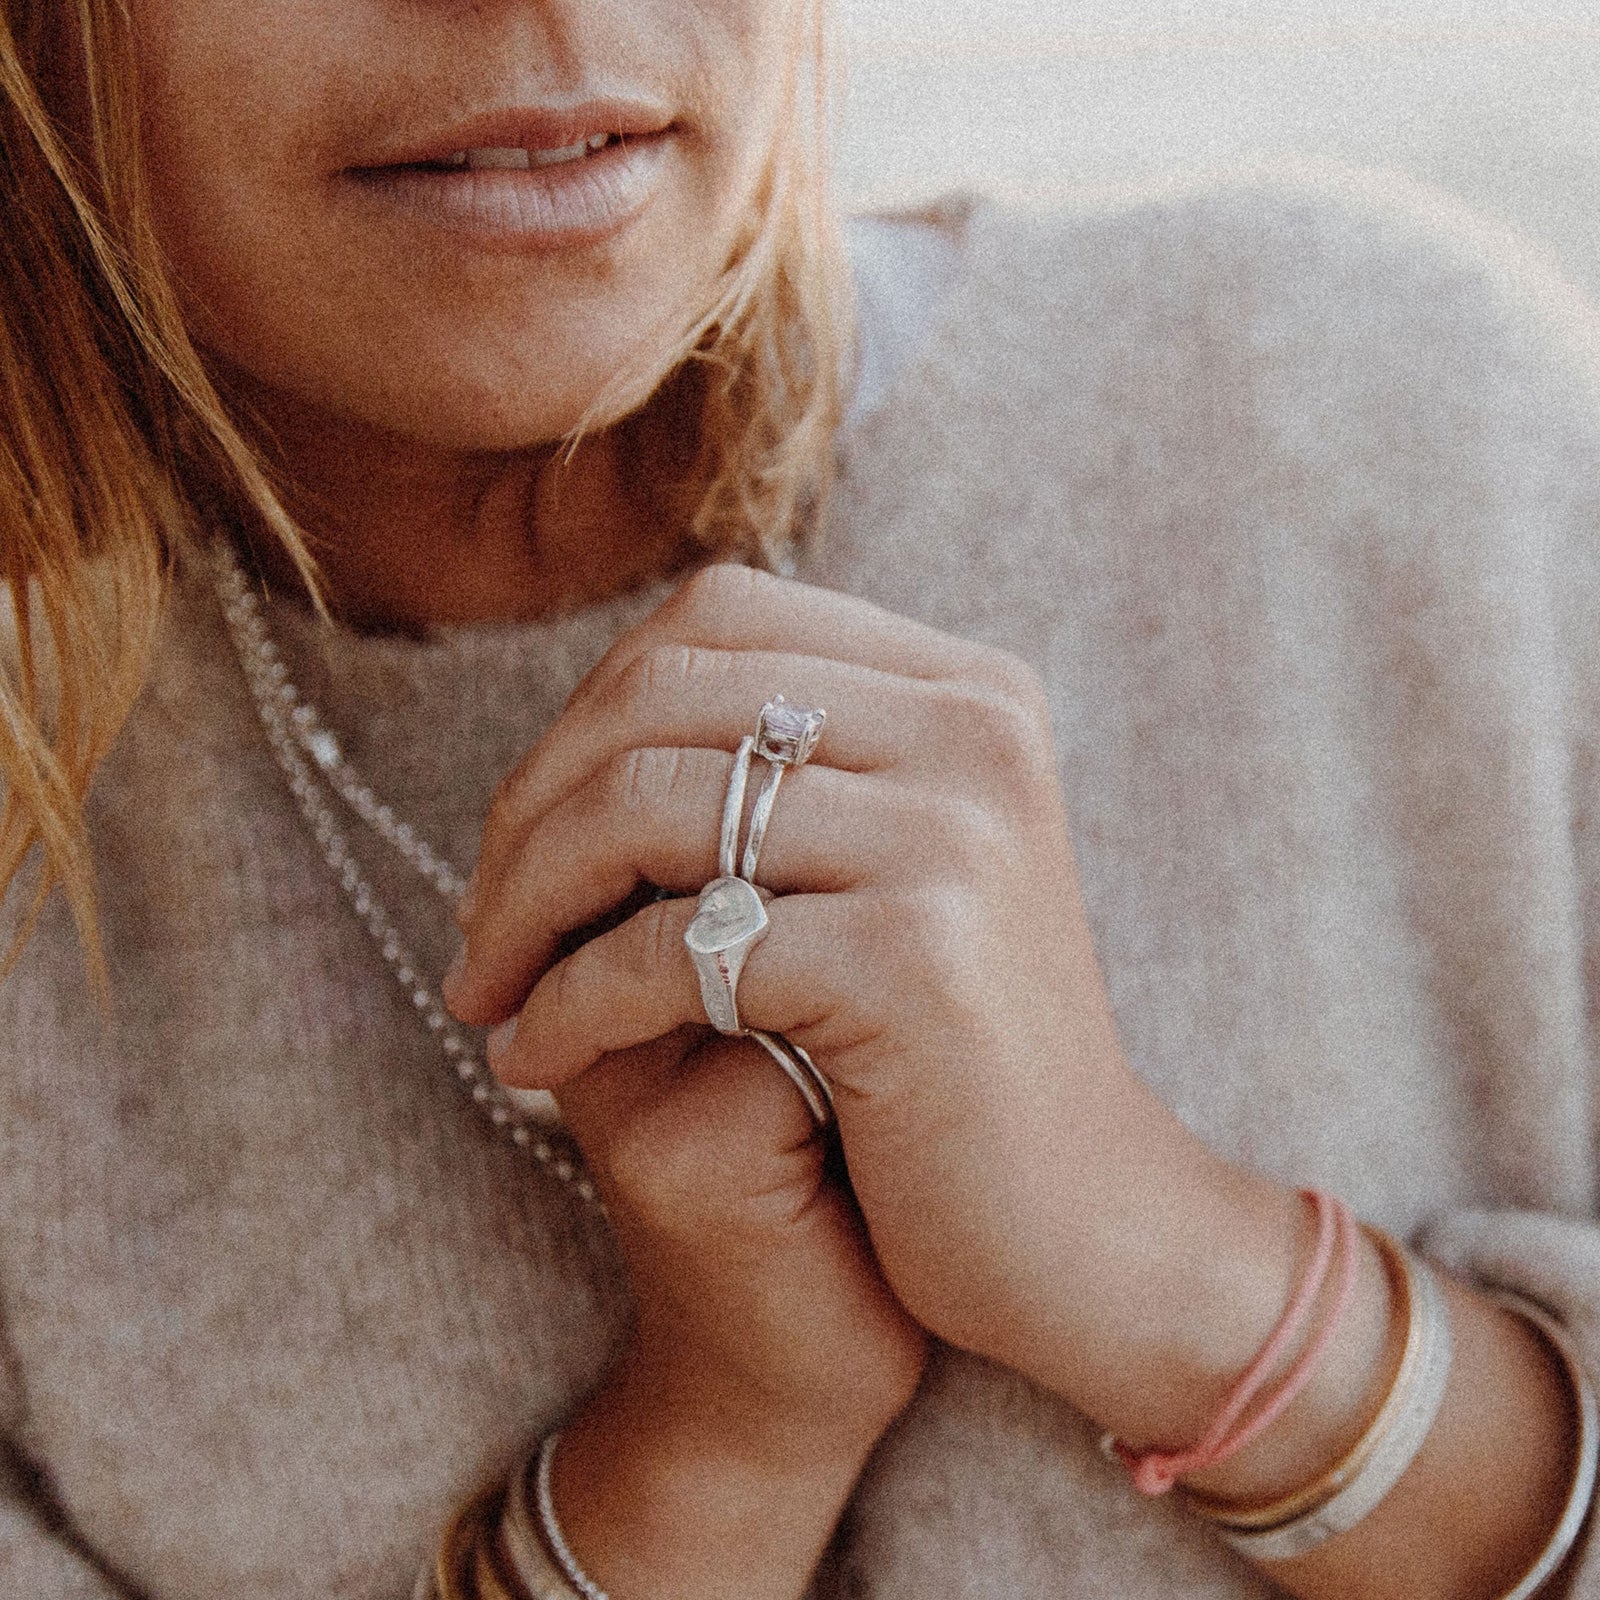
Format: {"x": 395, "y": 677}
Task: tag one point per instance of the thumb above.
{"x": 725, "y": 1142}
{"x": 599, "y": 1104}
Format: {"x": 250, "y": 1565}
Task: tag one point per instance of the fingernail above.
{"x": 469, "y": 898}
{"x": 458, "y": 965}
{"x": 499, "y": 1040}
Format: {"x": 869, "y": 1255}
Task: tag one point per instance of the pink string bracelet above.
{"x": 1154, "y": 1472}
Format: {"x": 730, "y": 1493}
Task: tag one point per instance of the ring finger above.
{"x": 637, "y": 983}
{"x": 651, "y": 817}
{"x": 689, "y": 696}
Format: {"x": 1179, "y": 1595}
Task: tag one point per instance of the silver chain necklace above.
{"x": 310, "y": 755}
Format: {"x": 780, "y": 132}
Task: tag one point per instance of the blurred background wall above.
{"x": 1497, "y": 101}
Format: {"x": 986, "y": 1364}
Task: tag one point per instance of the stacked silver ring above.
{"x": 731, "y": 919}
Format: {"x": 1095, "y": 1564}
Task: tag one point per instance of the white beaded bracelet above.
{"x": 1580, "y": 1498}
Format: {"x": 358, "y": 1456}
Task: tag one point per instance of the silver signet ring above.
{"x": 729, "y": 923}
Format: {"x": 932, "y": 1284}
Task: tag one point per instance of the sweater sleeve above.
{"x": 1509, "y": 561}
{"x": 1549, "y": 1249}
{"x": 1531, "y": 401}
{"x": 1412, "y": 392}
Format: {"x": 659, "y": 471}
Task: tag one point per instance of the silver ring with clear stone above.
{"x": 785, "y": 737}
{"x": 786, "y": 733}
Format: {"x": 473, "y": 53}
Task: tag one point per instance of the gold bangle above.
{"x": 1317, "y": 1493}
{"x": 455, "y": 1564}
{"x": 489, "y": 1570}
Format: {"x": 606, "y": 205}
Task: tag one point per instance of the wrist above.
{"x": 1183, "y": 1290}
{"x": 667, "y": 1487}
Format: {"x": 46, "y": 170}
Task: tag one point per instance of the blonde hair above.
{"x": 115, "y": 445}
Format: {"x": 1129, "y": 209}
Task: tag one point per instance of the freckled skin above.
{"x": 252, "y": 112}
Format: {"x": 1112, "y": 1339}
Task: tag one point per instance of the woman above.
{"x": 1245, "y": 527}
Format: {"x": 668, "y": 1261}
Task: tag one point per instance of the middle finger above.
{"x": 683, "y": 695}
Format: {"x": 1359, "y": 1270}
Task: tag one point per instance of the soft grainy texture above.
{"x": 1287, "y": 484}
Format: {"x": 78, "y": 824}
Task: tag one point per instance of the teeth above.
{"x": 478, "y": 159}
{"x": 523, "y": 159}
{"x": 549, "y": 158}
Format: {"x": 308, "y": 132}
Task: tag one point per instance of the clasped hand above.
{"x": 927, "y": 946}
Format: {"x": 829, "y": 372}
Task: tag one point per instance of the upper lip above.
{"x": 525, "y": 128}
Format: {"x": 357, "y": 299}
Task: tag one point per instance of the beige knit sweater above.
{"x": 1289, "y": 484}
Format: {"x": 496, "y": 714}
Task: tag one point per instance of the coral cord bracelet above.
{"x": 1155, "y": 1472}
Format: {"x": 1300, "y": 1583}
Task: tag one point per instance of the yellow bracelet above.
{"x": 494, "y": 1582}
{"x": 455, "y": 1566}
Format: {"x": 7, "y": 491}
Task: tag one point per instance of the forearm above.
{"x": 1177, "y": 1325}
{"x": 661, "y": 1497}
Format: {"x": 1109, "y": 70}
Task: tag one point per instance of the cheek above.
{"x": 232, "y": 98}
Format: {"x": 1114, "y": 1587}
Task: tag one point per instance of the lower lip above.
{"x": 566, "y": 206}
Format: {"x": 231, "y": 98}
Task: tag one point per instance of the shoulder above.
{"x": 1284, "y": 381}
{"x": 1253, "y": 260}
{"x": 1297, "y": 315}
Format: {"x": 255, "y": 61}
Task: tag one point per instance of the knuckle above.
{"x": 961, "y": 833}
{"x": 641, "y": 1171}
{"x": 660, "y": 1171}
{"x": 1010, "y": 674}
{"x": 660, "y": 940}
{"x": 503, "y": 803}
{"x": 662, "y": 673}
{"x": 642, "y": 781}
{"x": 562, "y": 986}
{"x": 1002, "y": 733}
{"x": 661, "y": 669}
{"x": 942, "y": 922}
{"x": 724, "y": 587}
{"x": 640, "y": 682}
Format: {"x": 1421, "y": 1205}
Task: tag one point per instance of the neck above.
{"x": 408, "y": 536}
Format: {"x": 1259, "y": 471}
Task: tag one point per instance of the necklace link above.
{"x": 305, "y": 748}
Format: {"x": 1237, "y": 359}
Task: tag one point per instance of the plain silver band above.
{"x": 1395, "y": 1452}
{"x": 760, "y": 816}
{"x": 810, "y": 1067}
{"x": 801, "y": 1071}
{"x": 733, "y": 810}
{"x": 1581, "y": 1496}
{"x": 551, "y": 1529}
{"x": 535, "y": 1570}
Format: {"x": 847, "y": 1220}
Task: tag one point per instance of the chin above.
{"x": 533, "y": 392}
{"x": 497, "y": 417}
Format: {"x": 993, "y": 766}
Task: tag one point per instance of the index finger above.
{"x": 727, "y": 606}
